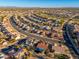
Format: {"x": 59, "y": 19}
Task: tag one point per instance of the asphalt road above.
{"x": 69, "y": 40}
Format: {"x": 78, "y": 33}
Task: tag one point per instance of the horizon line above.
{"x": 33, "y": 7}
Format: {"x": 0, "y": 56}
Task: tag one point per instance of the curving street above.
{"x": 30, "y": 34}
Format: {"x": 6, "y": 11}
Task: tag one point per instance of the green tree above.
{"x": 61, "y": 56}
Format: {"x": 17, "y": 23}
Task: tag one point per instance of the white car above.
{"x": 2, "y": 56}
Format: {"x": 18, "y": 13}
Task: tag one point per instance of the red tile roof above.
{"x": 42, "y": 45}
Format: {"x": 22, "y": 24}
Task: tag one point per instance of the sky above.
{"x": 39, "y": 3}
